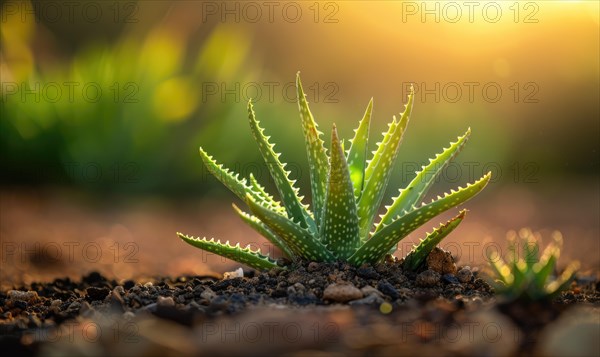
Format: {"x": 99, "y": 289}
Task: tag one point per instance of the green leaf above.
{"x": 239, "y": 186}
{"x": 379, "y": 170}
{"x": 357, "y": 155}
{"x": 289, "y": 194}
{"x": 564, "y": 280}
{"x": 300, "y": 240}
{"x": 545, "y": 267}
{"x": 418, "y": 187}
{"x": 262, "y": 229}
{"x": 245, "y": 256}
{"x": 339, "y": 228}
{"x": 501, "y": 270}
{"x": 315, "y": 149}
{"x": 233, "y": 182}
{"x": 381, "y": 242}
{"x": 419, "y": 253}
{"x": 264, "y": 197}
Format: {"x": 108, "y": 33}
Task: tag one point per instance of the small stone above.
{"x": 342, "y": 292}
{"x": 299, "y": 287}
{"x": 312, "y": 267}
{"x": 208, "y": 294}
{"x": 367, "y": 272}
{"x": 450, "y": 279}
{"x": 388, "y": 289}
{"x": 238, "y": 273}
{"x": 28, "y": 296}
{"x": 369, "y": 290}
{"x": 75, "y": 306}
{"x": 465, "y": 275}
{"x": 428, "y": 278}
{"x": 372, "y": 299}
{"x": 55, "y": 306}
{"x": 441, "y": 261}
{"x": 165, "y": 301}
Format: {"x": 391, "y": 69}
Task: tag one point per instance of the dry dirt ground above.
{"x": 57, "y": 233}
{"x": 111, "y": 278}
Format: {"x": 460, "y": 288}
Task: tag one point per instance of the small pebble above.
{"x": 450, "y": 279}
{"x": 428, "y": 278}
{"x": 388, "y": 289}
{"x": 367, "y": 272}
{"x": 165, "y": 301}
{"x": 369, "y": 290}
{"x": 28, "y": 296}
{"x": 372, "y": 299}
{"x": 342, "y": 292}
{"x": 75, "y": 306}
{"x": 208, "y": 294}
{"x": 464, "y": 275}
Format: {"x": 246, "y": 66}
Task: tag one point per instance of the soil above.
{"x": 128, "y": 286}
{"x": 308, "y": 308}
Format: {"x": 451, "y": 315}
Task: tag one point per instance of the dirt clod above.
{"x": 441, "y": 261}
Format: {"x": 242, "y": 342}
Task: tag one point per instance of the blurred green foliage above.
{"x": 117, "y": 115}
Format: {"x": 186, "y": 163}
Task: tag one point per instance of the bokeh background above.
{"x": 104, "y": 105}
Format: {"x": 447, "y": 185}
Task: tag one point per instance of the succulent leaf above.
{"x": 339, "y": 228}
{"x": 379, "y": 170}
{"x": 381, "y": 242}
{"x": 357, "y": 155}
{"x": 289, "y": 194}
{"x": 524, "y": 280}
{"x": 264, "y": 196}
{"x": 263, "y": 230}
{"x": 347, "y": 191}
{"x": 418, "y": 187}
{"x": 564, "y": 281}
{"x": 245, "y": 256}
{"x": 239, "y": 186}
{"x": 418, "y": 254}
{"x": 317, "y": 156}
{"x": 300, "y": 240}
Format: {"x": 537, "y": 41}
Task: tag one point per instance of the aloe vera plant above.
{"x": 526, "y": 275}
{"x": 347, "y": 191}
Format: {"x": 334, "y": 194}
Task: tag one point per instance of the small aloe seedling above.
{"x": 526, "y": 275}
{"x": 347, "y": 190}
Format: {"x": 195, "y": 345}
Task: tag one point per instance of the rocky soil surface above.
{"x": 329, "y": 308}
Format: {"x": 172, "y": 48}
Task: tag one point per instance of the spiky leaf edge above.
{"x": 419, "y": 253}
{"x": 292, "y": 201}
{"x": 339, "y": 228}
{"x": 315, "y": 150}
{"x": 420, "y": 185}
{"x": 381, "y": 242}
{"x": 245, "y": 256}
